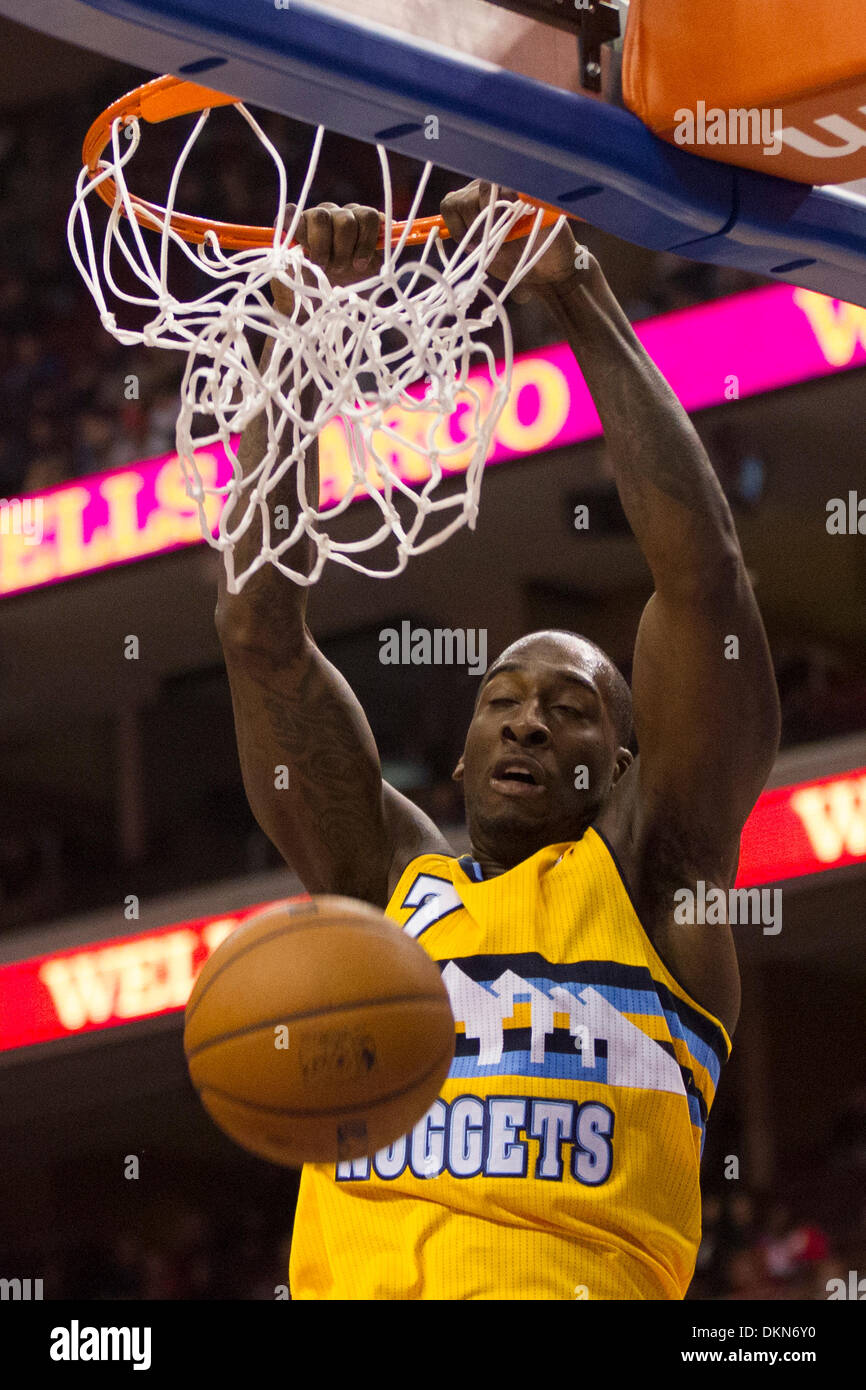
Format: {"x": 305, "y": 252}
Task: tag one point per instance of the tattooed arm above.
{"x": 337, "y": 823}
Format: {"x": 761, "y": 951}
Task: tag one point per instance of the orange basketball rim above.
{"x": 166, "y": 97}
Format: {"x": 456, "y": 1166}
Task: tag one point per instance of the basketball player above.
{"x": 562, "y": 1158}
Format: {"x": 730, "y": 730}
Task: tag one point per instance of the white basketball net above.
{"x": 410, "y": 329}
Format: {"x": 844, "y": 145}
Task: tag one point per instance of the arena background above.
{"x": 121, "y": 781}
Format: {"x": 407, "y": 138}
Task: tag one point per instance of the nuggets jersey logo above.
{"x": 562, "y": 1156}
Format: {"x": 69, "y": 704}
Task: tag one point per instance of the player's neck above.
{"x": 493, "y": 862}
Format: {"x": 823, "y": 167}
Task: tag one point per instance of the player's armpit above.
{"x": 312, "y": 775}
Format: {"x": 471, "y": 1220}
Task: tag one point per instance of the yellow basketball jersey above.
{"x": 562, "y": 1157}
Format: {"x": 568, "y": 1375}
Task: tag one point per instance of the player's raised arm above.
{"x": 337, "y": 824}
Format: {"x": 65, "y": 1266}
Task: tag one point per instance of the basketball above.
{"x": 318, "y": 1031}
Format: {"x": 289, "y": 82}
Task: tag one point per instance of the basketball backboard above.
{"x": 504, "y": 91}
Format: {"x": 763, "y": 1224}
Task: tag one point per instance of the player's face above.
{"x": 541, "y": 751}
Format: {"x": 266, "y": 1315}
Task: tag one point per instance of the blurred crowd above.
{"x": 763, "y": 1250}
{"x": 792, "y": 1242}
{"x": 242, "y": 1255}
{"x": 66, "y": 404}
